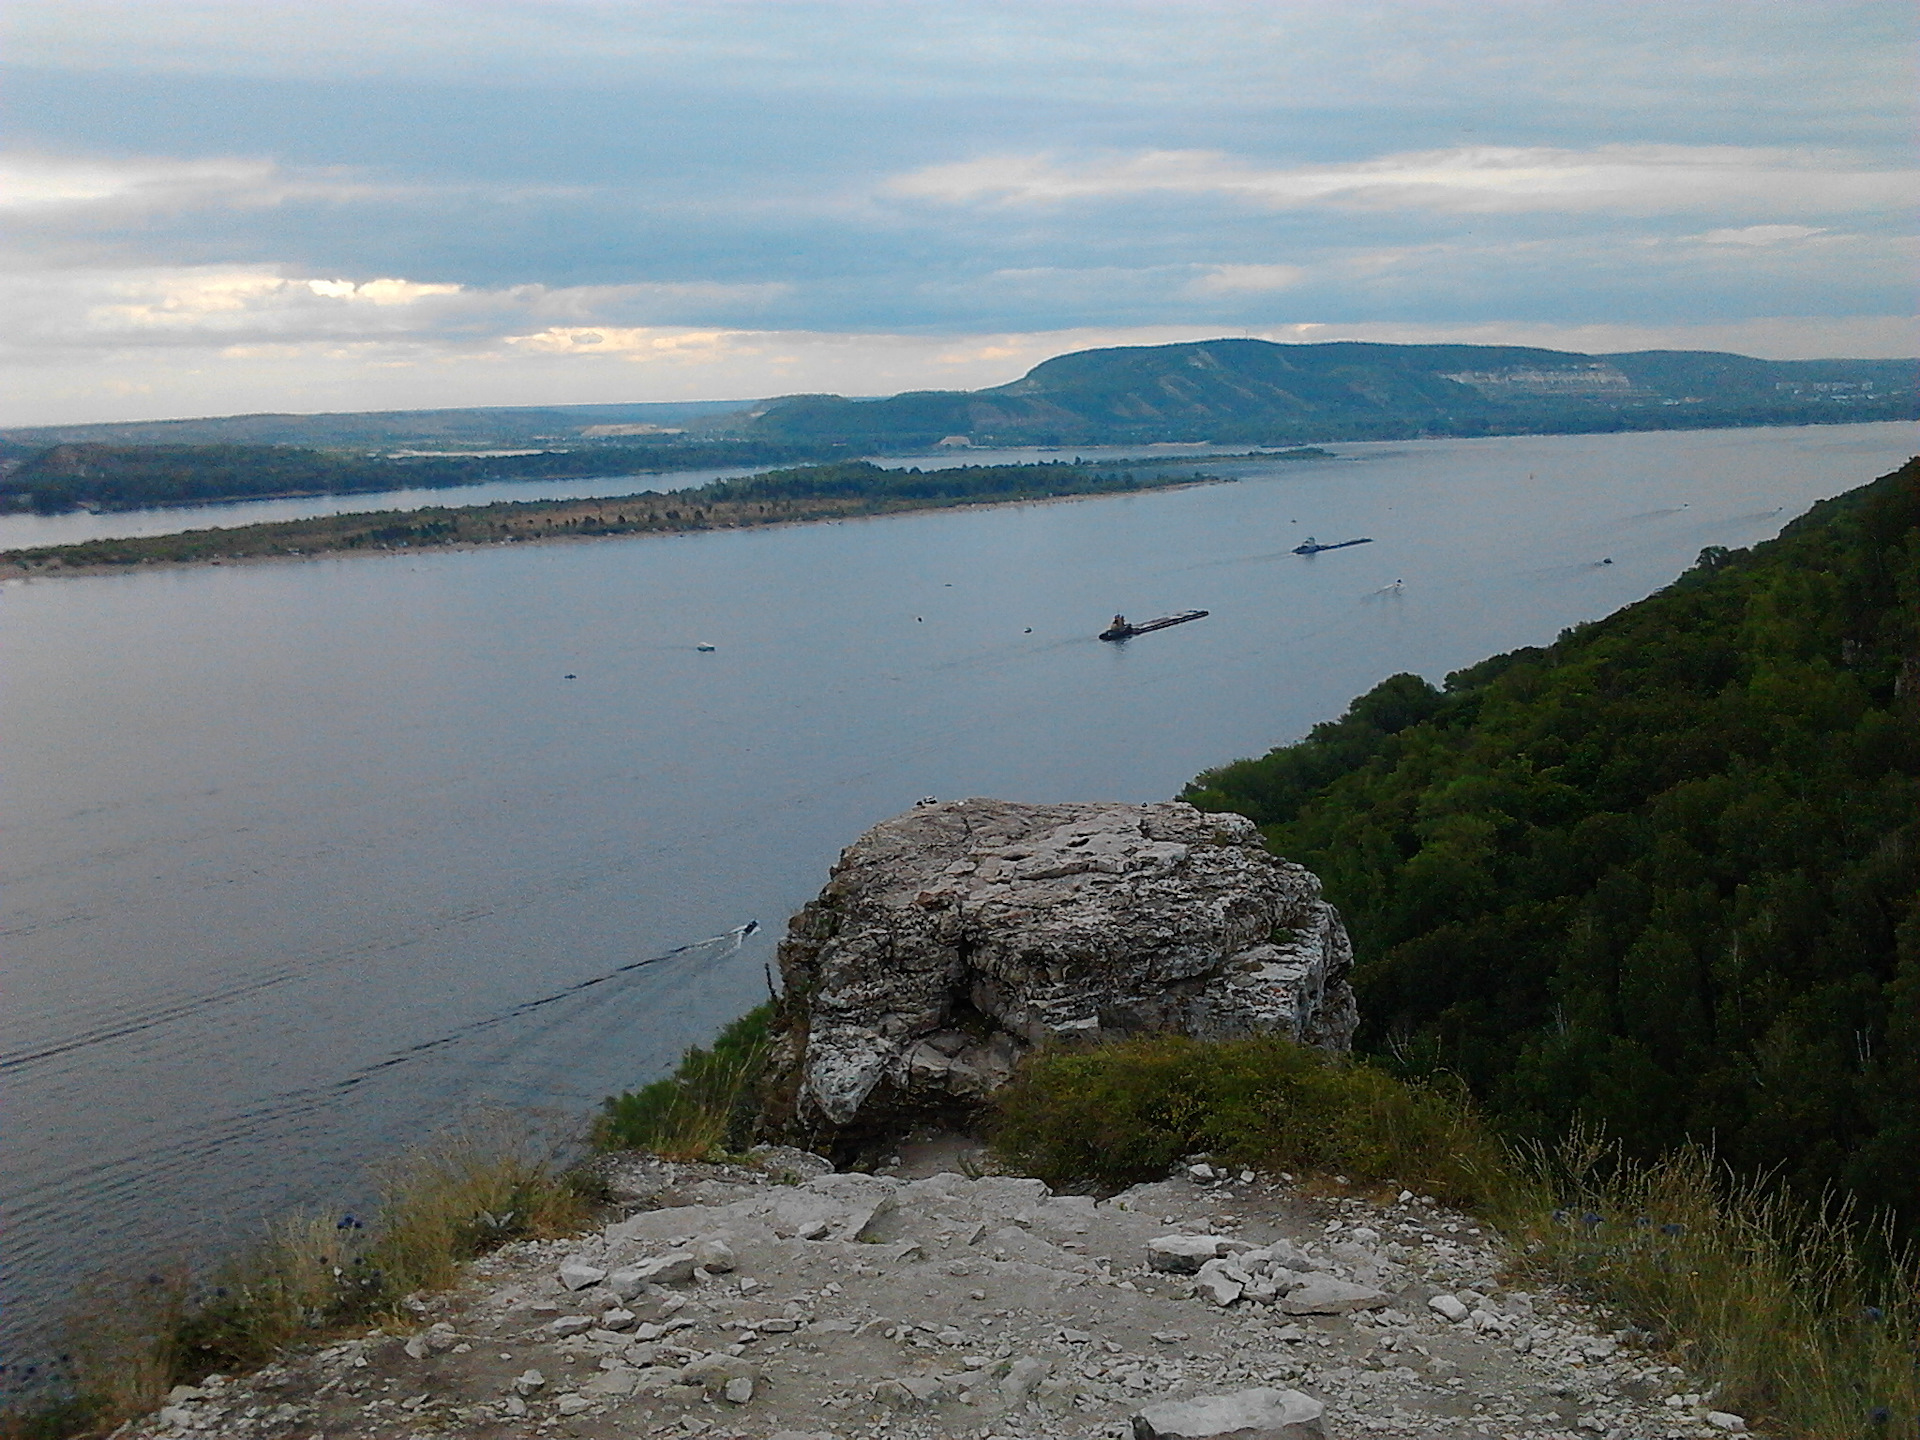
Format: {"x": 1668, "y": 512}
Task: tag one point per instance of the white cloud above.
{"x": 263, "y": 305}
{"x": 1759, "y": 235}
{"x": 48, "y": 182}
{"x": 1619, "y": 179}
{"x": 1247, "y": 279}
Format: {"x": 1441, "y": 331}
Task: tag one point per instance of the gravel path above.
{"x": 776, "y": 1301}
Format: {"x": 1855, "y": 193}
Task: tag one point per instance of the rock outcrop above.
{"x": 953, "y": 938}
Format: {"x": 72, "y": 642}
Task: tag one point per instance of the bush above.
{"x": 705, "y": 1108}
{"x": 1120, "y": 1113}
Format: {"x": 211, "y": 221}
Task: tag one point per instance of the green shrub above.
{"x": 705, "y": 1108}
{"x": 1124, "y": 1112}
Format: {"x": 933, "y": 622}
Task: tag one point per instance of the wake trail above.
{"x": 159, "y": 1155}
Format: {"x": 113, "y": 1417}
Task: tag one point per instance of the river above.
{"x": 301, "y": 860}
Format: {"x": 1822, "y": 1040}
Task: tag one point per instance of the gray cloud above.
{"x": 654, "y": 194}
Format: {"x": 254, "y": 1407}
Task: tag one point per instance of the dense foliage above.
{"x": 1245, "y": 391}
{"x": 1662, "y": 874}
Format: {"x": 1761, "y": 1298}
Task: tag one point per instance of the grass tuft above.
{"x": 705, "y": 1109}
{"x": 1125, "y": 1112}
{"x": 1805, "y": 1318}
{"x": 1805, "y": 1315}
{"x": 310, "y": 1276}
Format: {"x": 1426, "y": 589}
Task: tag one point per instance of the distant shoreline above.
{"x": 720, "y": 506}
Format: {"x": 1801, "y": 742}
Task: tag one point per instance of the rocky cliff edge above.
{"x": 951, "y": 939}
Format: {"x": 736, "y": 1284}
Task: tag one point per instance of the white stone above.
{"x": 1262, "y": 1414}
{"x": 573, "y": 1404}
{"x": 1329, "y": 1295}
{"x": 1182, "y": 1254}
{"x": 618, "y": 1382}
{"x": 1220, "y": 1282}
{"x": 1725, "y": 1420}
{"x": 529, "y": 1381}
{"x": 714, "y": 1256}
{"x": 738, "y": 1390}
{"x": 669, "y": 1269}
{"x": 577, "y": 1274}
{"x": 1447, "y": 1307}
{"x": 571, "y": 1325}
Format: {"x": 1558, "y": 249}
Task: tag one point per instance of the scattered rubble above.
{"x": 915, "y": 1305}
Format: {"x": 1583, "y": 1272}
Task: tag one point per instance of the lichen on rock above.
{"x": 951, "y": 939}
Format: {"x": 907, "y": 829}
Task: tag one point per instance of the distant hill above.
{"x": 1254, "y": 391}
{"x": 487, "y": 426}
{"x": 1232, "y": 391}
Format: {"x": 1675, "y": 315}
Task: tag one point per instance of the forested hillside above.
{"x": 1257, "y": 392}
{"x": 1663, "y": 874}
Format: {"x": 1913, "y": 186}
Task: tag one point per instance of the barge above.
{"x": 1121, "y": 630}
{"x": 1314, "y": 547}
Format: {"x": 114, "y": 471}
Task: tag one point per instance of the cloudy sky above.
{"x": 322, "y": 205}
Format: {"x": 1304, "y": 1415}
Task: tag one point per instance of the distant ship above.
{"x": 1121, "y": 630}
{"x": 1314, "y": 547}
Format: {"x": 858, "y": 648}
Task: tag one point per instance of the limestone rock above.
{"x": 1261, "y": 1414}
{"x": 1329, "y": 1295}
{"x": 1181, "y": 1254}
{"x": 1221, "y": 1281}
{"x": 951, "y": 939}
{"x": 1447, "y": 1307}
{"x": 577, "y": 1275}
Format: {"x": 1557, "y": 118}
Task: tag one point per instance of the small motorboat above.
{"x": 705, "y": 646}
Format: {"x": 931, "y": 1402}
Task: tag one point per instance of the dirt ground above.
{"x": 931, "y": 1300}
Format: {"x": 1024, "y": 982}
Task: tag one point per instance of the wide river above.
{"x": 303, "y": 860}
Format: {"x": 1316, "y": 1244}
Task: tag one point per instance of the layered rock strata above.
{"x": 951, "y": 939}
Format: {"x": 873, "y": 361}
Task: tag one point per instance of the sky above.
{"x": 309, "y": 205}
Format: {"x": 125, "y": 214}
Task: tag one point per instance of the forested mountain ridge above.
{"x": 1664, "y": 873}
{"x": 1258, "y": 392}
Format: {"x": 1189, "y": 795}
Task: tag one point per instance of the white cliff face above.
{"x": 951, "y": 939}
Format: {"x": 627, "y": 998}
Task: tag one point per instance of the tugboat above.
{"x": 1314, "y": 547}
{"x": 1121, "y": 630}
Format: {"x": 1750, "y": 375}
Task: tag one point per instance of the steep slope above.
{"x": 1664, "y": 873}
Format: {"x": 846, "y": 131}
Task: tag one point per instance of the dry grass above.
{"x": 310, "y": 1276}
{"x": 1805, "y": 1316}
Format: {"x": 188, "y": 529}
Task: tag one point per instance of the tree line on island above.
{"x": 812, "y": 492}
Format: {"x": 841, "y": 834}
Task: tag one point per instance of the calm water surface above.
{"x": 302, "y": 860}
